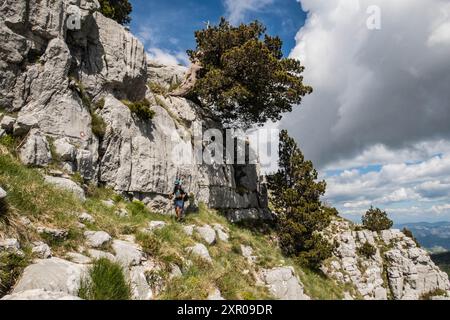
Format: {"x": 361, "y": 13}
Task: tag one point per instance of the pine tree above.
{"x": 118, "y": 10}
{"x": 376, "y": 220}
{"x": 295, "y": 195}
{"x": 241, "y": 75}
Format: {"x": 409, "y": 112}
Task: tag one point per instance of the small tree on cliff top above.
{"x": 241, "y": 75}
{"x": 118, "y": 10}
{"x": 376, "y": 220}
{"x": 295, "y": 194}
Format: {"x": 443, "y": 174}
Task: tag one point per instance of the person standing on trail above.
{"x": 179, "y": 196}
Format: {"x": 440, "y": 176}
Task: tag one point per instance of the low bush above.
{"x": 141, "y": 109}
{"x": 376, "y": 220}
{"x": 367, "y": 250}
{"x": 98, "y": 125}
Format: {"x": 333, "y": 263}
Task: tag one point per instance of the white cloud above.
{"x": 406, "y": 190}
{"x": 164, "y": 57}
{"x": 381, "y": 98}
{"x": 237, "y": 9}
{"x": 376, "y": 91}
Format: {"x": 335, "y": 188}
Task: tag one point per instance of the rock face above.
{"x": 40, "y": 295}
{"x": 283, "y": 284}
{"x": 200, "y": 251}
{"x": 36, "y": 150}
{"x": 67, "y": 185}
{"x": 97, "y": 239}
{"x": 54, "y": 275}
{"x": 54, "y": 76}
{"x": 398, "y": 270}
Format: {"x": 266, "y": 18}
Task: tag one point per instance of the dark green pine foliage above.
{"x": 376, "y": 220}
{"x": 295, "y": 195}
{"x": 118, "y": 10}
{"x": 244, "y": 79}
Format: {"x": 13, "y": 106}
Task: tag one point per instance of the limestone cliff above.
{"x": 52, "y": 76}
{"x": 398, "y": 268}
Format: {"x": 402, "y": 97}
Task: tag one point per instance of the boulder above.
{"x": 3, "y": 193}
{"x": 127, "y": 253}
{"x": 78, "y": 258}
{"x": 222, "y": 233}
{"x": 65, "y": 149}
{"x": 189, "y": 230}
{"x": 41, "y": 250}
{"x": 54, "y": 274}
{"x": 283, "y": 284}
{"x": 97, "y": 254}
{"x": 123, "y": 213}
{"x": 108, "y": 203}
{"x": 139, "y": 286}
{"x": 9, "y": 245}
{"x": 7, "y": 124}
{"x": 67, "y": 185}
{"x": 40, "y": 295}
{"x": 36, "y": 150}
{"x": 97, "y": 239}
{"x": 200, "y": 251}
{"x": 86, "y": 217}
{"x": 24, "y": 124}
{"x": 215, "y": 295}
{"x": 207, "y": 233}
{"x": 156, "y": 225}
{"x": 247, "y": 252}
{"x": 58, "y": 234}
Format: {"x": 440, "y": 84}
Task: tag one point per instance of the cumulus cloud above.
{"x": 376, "y": 91}
{"x": 167, "y": 58}
{"x": 405, "y": 190}
{"x": 237, "y": 9}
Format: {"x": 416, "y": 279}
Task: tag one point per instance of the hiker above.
{"x": 179, "y": 198}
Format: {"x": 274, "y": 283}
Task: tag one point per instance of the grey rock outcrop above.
{"x": 86, "y": 217}
{"x": 207, "y": 233}
{"x": 7, "y": 123}
{"x": 58, "y": 234}
{"x": 283, "y": 284}
{"x": 200, "y": 251}
{"x": 9, "y": 245}
{"x": 165, "y": 76}
{"x": 97, "y": 239}
{"x": 215, "y": 295}
{"x": 410, "y": 273}
{"x": 3, "y": 194}
{"x": 36, "y": 150}
{"x": 40, "y": 295}
{"x": 54, "y": 275}
{"x": 41, "y": 250}
{"x": 127, "y": 253}
{"x": 67, "y": 185}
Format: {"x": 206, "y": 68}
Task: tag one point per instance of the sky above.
{"x": 377, "y": 126}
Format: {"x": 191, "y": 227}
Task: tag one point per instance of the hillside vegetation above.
{"x": 32, "y": 202}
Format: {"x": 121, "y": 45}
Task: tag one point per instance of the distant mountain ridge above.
{"x": 434, "y": 237}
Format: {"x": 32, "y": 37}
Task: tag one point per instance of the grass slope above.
{"x": 29, "y": 196}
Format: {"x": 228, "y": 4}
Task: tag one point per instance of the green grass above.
{"x": 11, "y": 267}
{"x": 98, "y": 125}
{"x": 157, "y": 88}
{"x": 106, "y": 281}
